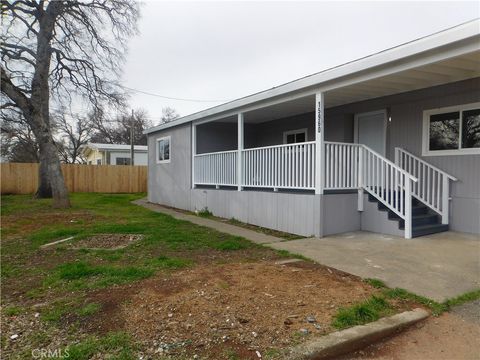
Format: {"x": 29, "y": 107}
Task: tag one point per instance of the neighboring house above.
{"x": 113, "y": 154}
{"x": 389, "y": 143}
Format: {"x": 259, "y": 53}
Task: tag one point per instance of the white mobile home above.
{"x": 114, "y": 154}
{"x": 389, "y": 143}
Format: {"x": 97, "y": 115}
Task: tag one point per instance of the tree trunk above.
{"x": 51, "y": 171}
{"x": 44, "y": 187}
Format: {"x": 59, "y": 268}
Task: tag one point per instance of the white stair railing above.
{"x": 433, "y": 184}
{"x": 218, "y": 168}
{"x": 289, "y": 166}
{"x": 356, "y": 166}
{"x": 390, "y": 184}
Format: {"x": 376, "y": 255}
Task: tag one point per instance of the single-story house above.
{"x": 389, "y": 143}
{"x": 114, "y": 154}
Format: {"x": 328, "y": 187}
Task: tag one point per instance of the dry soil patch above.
{"x": 247, "y": 307}
{"x": 107, "y": 241}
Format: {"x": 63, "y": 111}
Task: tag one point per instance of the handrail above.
{"x": 341, "y": 143}
{"x": 413, "y": 178}
{"x": 216, "y": 152}
{"x": 279, "y": 146}
{"x": 453, "y": 178}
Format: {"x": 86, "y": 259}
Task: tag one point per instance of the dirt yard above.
{"x": 134, "y": 284}
{"x": 249, "y": 307}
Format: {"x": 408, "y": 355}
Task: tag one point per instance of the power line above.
{"x": 172, "y": 98}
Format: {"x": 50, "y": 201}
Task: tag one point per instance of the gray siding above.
{"x": 293, "y": 213}
{"x": 170, "y": 183}
{"x": 340, "y": 213}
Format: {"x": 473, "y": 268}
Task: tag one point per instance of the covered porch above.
{"x": 260, "y": 150}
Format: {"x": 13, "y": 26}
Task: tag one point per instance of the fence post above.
{"x": 360, "y": 179}
{"x": 408, "y": 207}
{"x": 445, "y": 199}
{"x": 240, "y": 151}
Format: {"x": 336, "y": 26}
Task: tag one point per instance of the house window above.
{"x": 163, "y": 150}
{"x": 122, "y": 161}
{"x": 452, "y": 131}
{"x": 99, "y": 161}
{"x": 295, "y": 136}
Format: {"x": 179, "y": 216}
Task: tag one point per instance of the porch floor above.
{"x": 438, "y": 266}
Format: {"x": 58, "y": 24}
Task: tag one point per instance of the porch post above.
{"x": 445, "y": 199}
{"x": 194, "y": 152}
{"x": 240, "y": 151}
{"x": 319, "y": 143}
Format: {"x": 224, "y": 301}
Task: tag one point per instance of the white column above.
{"x": 319, "y": 143}
{"x": 408, "y": 207}
{"x": 360, "y": 179}
{"x": 239, "y": 151}
{"x": 445, "y": 199}
{"x": 194, "y": 152}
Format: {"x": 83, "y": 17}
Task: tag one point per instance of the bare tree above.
{"x": 61, "y": 49}
{"x": 168, "y": 114}
{"x": 18, "y": 142}
{"x": 117, "y": 129}
{"x": 73, "y": 135}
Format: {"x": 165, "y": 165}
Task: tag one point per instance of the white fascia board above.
{"x": 452, "y": 42}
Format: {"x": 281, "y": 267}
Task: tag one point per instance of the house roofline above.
{"x": 112, "y": 147}
{"x": 448, "y": 38}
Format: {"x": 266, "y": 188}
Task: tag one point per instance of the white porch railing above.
{"x": 433, "y": 185}
{"x": 341, "y": 165}
{"x": 292, "y": 166}
{"x": 288, "y": 166}
{"x": 217, "y": 168}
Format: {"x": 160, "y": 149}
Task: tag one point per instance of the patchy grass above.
{"x": 435, "y": 307}
{"x": 359, "y": 314}
{"x": 13, "y": 310}
{"x": 89, "y": 309}
{"x": 60, "y": 278}
{"x": 205, "y": 213}
{"x": 117, "y": 345}
{"x": 462, "y": 299}
{"x": 288, "y": 255}
{"x": 266, "y": 231}
{"x": 376, "y": 283}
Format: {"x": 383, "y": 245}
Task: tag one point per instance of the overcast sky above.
{"x": 226, "y": 50}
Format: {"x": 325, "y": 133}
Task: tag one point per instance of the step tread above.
{"x": 428, "y": 229}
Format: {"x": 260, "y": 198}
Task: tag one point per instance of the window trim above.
{"x": 297, "y": 131}
{"x": 157, "y": 149}
{"x": 426, "y": 131}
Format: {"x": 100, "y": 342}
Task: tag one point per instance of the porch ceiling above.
{"x": 454, "y": 69}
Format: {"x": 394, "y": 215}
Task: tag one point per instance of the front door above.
{"x": 370, "y": 130}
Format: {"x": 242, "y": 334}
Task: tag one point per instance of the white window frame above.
{"x": 157, "y": 149}
{"x": 426, "y": 131}
{"x": 297, "y": 131}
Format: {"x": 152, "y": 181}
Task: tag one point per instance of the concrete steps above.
{"x": 424, "y": 220}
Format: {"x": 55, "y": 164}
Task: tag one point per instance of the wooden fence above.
{"x": 22, "y": 178}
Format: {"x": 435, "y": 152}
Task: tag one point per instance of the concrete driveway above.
{"x": 438, "y": 266}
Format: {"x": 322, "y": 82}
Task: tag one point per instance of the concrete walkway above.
{"x": 438, "y": 266}
{"x": 251, "y": 235}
